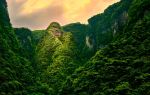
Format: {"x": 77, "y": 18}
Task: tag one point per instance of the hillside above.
{"x": 122, "y": 67}
{"x": 108, "y": 56}
{"x": 101, "y": 29}
{"x": 14, "y": 69}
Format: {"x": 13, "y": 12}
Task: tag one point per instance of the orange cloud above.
{"x": 93, "y": 8}
{"x": 31, "y": 6}
{"x": 29, "y": 12}
{"x": 73, "y": 8}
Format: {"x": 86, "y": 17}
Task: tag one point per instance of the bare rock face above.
{"x": 55, "y": 29}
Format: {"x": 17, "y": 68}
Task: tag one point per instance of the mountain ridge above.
{"x": 108, "y": 56}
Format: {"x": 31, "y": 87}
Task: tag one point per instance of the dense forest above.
{"x": 108, "y": 56}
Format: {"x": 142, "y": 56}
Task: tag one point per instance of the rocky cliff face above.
{"x": 55, "y": 29}
{"x": 101, "y": 29}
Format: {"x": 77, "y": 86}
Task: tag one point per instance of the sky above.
{"x": 38, "y": 14}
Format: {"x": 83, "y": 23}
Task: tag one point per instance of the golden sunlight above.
{"x": 39, "y": 13}
{"x": 74, "y": 7}
{"x": 31, "y": 6}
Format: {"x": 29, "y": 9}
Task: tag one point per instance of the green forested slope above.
{"x": 109, "y": 24}
{"x": 79, "y": 31}
{"x": 101, "y": 29}
{"x": 83, "y": 37}
{"x": 108, "y": 56}
{"x": 56, "y": 57}
{"x": 14, "y": 70}
{"x": 26, "y": 41}
{"x": 121, "y": 68}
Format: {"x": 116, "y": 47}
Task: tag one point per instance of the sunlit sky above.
{"x": 38, "y": 14}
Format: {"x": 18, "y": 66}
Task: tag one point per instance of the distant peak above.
{"x": 55, "y": 29}
{"x": 54, "y": 25}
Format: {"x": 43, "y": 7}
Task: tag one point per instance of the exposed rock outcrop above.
{"x": 55, "y": 29}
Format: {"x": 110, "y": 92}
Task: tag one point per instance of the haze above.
{"x": 37, "y": 14}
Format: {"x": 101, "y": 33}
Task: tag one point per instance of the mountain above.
{"x": 122, "y": 67}
{"x": 101, "y": 28}
{"x": 14, "y": 69}
{"x": 47, "y": 45}
{"x": 108, "y": 56}
{"x": 107, "y": 25}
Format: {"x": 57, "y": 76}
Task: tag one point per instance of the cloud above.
{"x": 40, "y": 19}
{"x": 37, "y": 14}
{"x": 31, "y": 6}
{"x": 74, "y": 7}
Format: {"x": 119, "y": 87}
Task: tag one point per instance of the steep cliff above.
{"x": 14, "y": 70}
{"x": 122, "y": 67}
{"x": 108, "y": 56}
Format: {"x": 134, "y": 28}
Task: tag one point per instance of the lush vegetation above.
{"x": 108, "y": 56}
{"x": 15, "y": 76}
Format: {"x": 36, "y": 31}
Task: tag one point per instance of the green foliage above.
{"x": 79, "y": 32}
{"x": 121, "y": 68}
{"x": 41, "y": 62}
{"x": 37, "y": 35}
{"x": 109, "y": 24}
{"x": 57, "y": 58}
{"x": 15, "y": 70}
{"x": 26, "y": 41}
